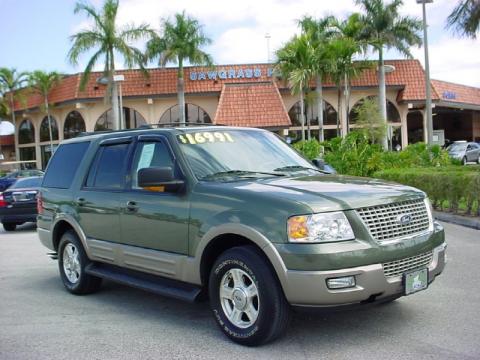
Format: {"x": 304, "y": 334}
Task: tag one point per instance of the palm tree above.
{"x": 465, "y": 18}
{"x": 42, "y": 83}
{"x": 106, "y": 39}
{"x": 180, "y": 41}
{"x": 342, "y": 49}
{"x": 11, "y": 80}
{"x": 384, "y": 27}
{"x": 295, "y": 64}
{"x": 320, "y": 33}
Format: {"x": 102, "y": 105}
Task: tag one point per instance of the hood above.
{"x": 331, "y": 192}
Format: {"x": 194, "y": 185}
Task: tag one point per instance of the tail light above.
{"x": 3, "y": 203}
{"x": 39, "y": 203}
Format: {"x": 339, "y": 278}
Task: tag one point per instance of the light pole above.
{"x": 428, "y": 92}
{"x": 118, "y": 80}
{"x": 268, "y": 37}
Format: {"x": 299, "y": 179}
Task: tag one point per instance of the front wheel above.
{"x": 464, "y": 160}
{"x": 246, "y": 298}
{"x": 72, "y": 261}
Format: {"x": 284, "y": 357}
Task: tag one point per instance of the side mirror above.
{"x": 159, "y": 179}
{"x": 319, "y": 163}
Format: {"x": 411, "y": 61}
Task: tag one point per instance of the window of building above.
{"x": 311, "y": 114}
{"x": 74, "y": 125}
{"x": 393, "y": 115}
{"x": 133, "y": 119}
{"x": 44, "y": 130}
{"x": 27, "y": 153}
{"x": 64, "y": 165}
{"x": 108, "y": 170}
{"x": 193, "y": 114}
{"x": 26, "y": 133}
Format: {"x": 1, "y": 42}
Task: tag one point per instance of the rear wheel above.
{"x": 464, "y": 160}
{"x": 72, "y": 261}
{"x": 9, "y": 226}
{"x": 246, "y": 297}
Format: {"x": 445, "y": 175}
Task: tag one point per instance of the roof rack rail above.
{"x": 175, "y": 124}
{"x": 87, "y": 133}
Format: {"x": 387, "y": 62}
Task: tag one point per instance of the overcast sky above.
{"x": 34, "y": 34}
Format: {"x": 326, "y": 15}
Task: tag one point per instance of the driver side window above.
{"x": 150, "y": 154}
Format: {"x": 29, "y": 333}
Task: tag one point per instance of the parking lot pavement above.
{"x": 40, "y": 320}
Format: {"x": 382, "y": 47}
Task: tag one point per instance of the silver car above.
{"x": 466, "y": 152}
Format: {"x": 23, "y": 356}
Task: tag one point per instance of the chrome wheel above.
{"x": 71, "y": 263}
{"x": 239, "y": 298}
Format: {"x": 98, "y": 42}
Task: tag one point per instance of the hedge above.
{"x": 454, "y": 188}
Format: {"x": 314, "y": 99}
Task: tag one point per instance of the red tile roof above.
{"x": 251, "y": 104}
{"x": 456, "y": 93}
{"x": 408, "y": 75}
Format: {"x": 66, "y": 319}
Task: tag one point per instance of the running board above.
{"x": 155, "y": 284}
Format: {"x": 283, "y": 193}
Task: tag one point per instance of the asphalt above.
{"x": 40, "y": 320}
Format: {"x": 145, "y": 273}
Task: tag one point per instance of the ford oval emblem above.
{"x": 404, "y": 219}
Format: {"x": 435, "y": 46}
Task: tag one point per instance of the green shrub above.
{"x": 455, "y": 186}
{"x": 309, "y": 148}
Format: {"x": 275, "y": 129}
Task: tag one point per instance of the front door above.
{"x": 152, "y": 219}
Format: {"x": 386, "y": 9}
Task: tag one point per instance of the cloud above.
{"x": 456, "y": 60}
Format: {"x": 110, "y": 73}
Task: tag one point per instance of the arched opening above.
{"x": 44, "y": 129}
{"x": 393, "y": 116}
{"x": 193, "y": 114}
{"x": 133, "y": 119}
{"x": 74, "y": 125}
{"x": 311, "y": 114}
{"x": 415, "y": 127}
{"x": 26, "y": 132}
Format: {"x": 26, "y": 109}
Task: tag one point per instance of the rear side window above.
{"x": 64, "y": 164}
{"x": 108, "y": 169}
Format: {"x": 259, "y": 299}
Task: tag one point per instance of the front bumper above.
{"x": 309, "y": 288}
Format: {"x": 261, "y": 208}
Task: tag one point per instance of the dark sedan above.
{"x": 18, "y": 204}
{"x": 7, "y": 180}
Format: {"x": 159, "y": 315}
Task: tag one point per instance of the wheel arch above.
{"x": 227, "y": 236}
{"x": 61, "y": 226}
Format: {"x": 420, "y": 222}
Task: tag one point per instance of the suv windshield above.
{"x": 219, "y": 152}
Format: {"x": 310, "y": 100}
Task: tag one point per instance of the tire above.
{"x": 73, "y": 275}
{"x": 478, "y": 160}
{"x": 464, "y": 160}
{"x": 254, "y": 310}
{"x": 9, "y": 226}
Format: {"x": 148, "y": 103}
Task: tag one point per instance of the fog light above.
{"x": 341, "y": 282}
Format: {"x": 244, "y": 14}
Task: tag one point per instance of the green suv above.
{"x": 235, "y": 215}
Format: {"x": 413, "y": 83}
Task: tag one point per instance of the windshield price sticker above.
{"x": 205, "y": 137}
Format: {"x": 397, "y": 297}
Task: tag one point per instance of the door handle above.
{"x": 132, "y": 206}
{"x": 80, "y": 201}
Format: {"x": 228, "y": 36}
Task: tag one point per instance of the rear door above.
{"x": 98, "y": 201}
{"x": 152, "y": 219}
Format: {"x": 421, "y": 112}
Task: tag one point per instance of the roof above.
{"x": 251, "y": 104}
{"x": 408, "y": 76}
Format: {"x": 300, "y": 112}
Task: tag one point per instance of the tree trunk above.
{"x": 50, "y": 135}
{"x": 320, "y": 108}
{"x": 115, "y": 107}
{"x": 382, "y": 97}
{"x": 339, "y": 104}
{"x": 302, "y": 114}
{"x": 347, "y": 103}
{"x": 181, "y": 93}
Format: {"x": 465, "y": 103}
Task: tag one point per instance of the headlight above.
{"x": 316, "y": 228}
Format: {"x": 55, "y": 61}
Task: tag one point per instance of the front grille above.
{"x": 398, "y": 267}
{"x": 383, "y": 221}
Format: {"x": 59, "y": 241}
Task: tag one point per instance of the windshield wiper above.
{"x": 298, "y": 168}
{"x": 238, "y": 173}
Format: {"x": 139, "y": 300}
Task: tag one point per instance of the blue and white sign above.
{"x": 449, "y": 95}
{"x": 224, "y": 74}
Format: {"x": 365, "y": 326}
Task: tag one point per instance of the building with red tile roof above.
{"x": 245, "y": 95}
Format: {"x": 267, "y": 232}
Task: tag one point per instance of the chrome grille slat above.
{"x": 382, "y": 223}
{"x": 396, "y": 268}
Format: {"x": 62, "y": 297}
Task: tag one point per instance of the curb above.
{"x": 473, "y": 223}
